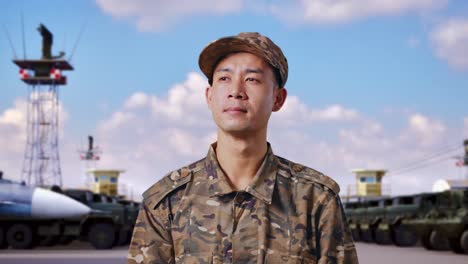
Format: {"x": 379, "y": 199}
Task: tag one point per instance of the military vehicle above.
{"x": 110, "y": 223}
{"x": 27, "y": 217}
{"x": 440, "y": 220}
{"x": 446, "y": 224}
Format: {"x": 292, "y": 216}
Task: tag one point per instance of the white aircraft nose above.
{"x": 49, "y": 204}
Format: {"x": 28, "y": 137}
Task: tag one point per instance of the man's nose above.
{"x": 237, "y": 90}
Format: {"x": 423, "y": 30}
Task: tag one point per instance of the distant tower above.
{"x": 369, "y": 182}
{"x": 465, "y": 158}
{"x": 106, "y": 181}
{"x": 90, "y": 157}
{"x": 462, "y": 161}
{"x": 41, "y": 165}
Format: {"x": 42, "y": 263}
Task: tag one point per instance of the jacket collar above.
{"x": 263, "y": 183}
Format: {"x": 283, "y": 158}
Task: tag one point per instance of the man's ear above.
{"x": 208, "y": 96}
{"x": 280, "y": 98}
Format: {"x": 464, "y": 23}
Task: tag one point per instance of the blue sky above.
{"x": 371, "y": 79}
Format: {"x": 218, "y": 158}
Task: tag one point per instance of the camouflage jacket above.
{"x": 289, "y": 214}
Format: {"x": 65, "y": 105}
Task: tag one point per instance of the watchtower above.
{"x": 41, "y": 164}
{"x": 106, "y": 181}
{"x": 369, "y": 182}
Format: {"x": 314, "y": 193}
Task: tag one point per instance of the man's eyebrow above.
{"x": 224, "y": 70}
{"x": 254, "y": 70}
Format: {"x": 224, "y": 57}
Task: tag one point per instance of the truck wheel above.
{"x": 438, "y": 241}
{"x": 355, "y": 234}
{"x": 3, "y": 242}
{"x": 425, "y": 240}
{"x": 101, "y": 235}
{"x": 383, "y": 237}
{"x": 404, "y": 237}
{"x": 20, "y": 236}
{"x": 455, "y": 244}
{"x": 464, "y": 242}
{"x": 366, "y": 235}
{"x": 123, "y": 237}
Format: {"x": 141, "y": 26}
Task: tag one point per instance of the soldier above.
{"x": 241, "y": 203}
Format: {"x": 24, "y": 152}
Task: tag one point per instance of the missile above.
{"x": 25, "y": 201}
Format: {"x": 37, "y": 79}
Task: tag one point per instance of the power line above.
{"x": 9, "y": 40}
{"x": 438, "y": 154}
{"x": 22, "y": 30}
{"x": 83, "y": 27}
{"x": 419, "y": 166}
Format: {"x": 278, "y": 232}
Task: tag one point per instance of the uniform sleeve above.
{"x": 151, "y": 240}
{"x": 335, "y": 243}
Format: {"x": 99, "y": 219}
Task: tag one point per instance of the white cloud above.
{"x": 334, "y": 113}
{"x": 13, "y": 128}
{"x": 152, "y": 135}
{"x": 294, "y": 112}
{"x": 137, "y": 100}
{"x": 425, "y": 130}
{"x": 156, "y": 15}
{"x": 450, "y": 41}
{"x": 342, "y": 11}
{"x": 184, "y": 101}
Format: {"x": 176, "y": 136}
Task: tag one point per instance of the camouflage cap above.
{"x": 251, "y": 42}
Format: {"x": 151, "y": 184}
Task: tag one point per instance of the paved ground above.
{"x": 78, "y": 253}
{"x": 371, "y": 253}
{"x": 75, "y": 253}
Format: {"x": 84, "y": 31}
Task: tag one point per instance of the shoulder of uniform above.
{"x": 300, "y": 171}
{"x": 169, "y": 183}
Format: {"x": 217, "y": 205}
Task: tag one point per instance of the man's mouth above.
{"x": 235, "y": 109}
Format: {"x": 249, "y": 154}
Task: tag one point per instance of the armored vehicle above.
{"x": 109, "y": 224}
{"x": 446, "y": 224}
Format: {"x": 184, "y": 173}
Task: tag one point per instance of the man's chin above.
{"x": 236, "y": 130}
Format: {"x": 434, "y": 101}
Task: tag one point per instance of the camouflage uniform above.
{"x": 289, "y": 214}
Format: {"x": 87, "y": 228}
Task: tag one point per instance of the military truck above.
{"x": 27, "y": 218}
{"x": 404, "y": 208}
{"x": 446, "y": 224}
{"x": 109, "y": 224}
{"x": 439, "y": 220}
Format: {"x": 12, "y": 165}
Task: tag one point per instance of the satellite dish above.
{"x": 440, "y": 186}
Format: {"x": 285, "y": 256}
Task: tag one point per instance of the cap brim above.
{"x": 216, "y": 50}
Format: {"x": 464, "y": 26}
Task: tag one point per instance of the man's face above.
{"x": 243, "y": 94}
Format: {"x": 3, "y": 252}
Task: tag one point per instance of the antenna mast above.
{"x": 41, "y": 164}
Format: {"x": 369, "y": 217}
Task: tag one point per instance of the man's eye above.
{"x": 223, "y": 78}
{"x": 250, "y": 79}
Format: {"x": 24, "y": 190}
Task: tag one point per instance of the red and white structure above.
{"x": 41, "y": 163}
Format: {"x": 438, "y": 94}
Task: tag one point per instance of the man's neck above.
{"x": 240, "y": 158}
